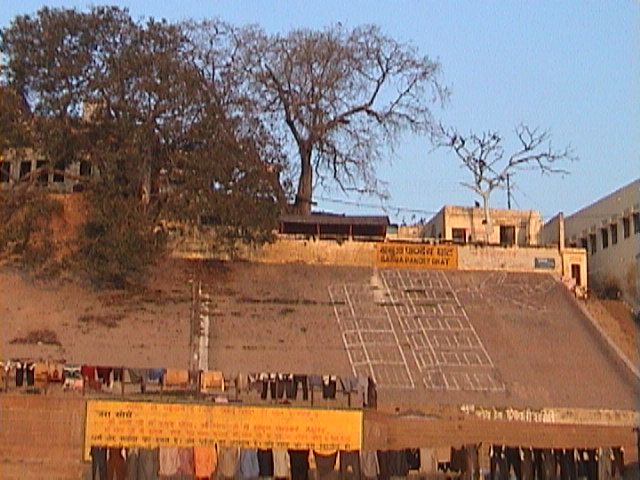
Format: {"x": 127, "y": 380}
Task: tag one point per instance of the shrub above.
{"x": 117, "y": 242}
{"x": 25, "y": 228}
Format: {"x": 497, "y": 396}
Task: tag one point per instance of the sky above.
{"x": 570, "y": 67}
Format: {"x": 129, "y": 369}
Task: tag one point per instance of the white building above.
{"x": 609, "y": 230}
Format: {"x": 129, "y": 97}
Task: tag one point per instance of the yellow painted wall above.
{"x": 156, "y": 424}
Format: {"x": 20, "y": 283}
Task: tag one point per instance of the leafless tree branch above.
{"x": 483, "y": 156}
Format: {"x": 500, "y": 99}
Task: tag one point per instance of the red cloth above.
{"x": 104, "y": 373}
{"x": 88, "y": 371}
{"x": 186, "y": 461}
{"x": 116, "y": 466}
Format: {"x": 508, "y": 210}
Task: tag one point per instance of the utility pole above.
{"x": 199, "y": 328}
{"x": 193, "y": 329}
{"x": 508, "y": 193}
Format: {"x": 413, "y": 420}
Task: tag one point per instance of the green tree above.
{"x": 14, "y": 120}
{"x": 169, "y": 146}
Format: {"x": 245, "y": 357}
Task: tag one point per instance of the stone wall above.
{"x": 470, "y": 257}
{"x": 289, "y": 249}
{"x": 317, "y": 252}
{"x": 520, "y": 259}
{"x": 41, "y": 437}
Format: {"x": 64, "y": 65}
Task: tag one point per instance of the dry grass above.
{"x": 38, "y": 337}
{"x": 110, "y": 320}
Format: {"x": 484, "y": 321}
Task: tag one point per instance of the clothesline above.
{"x": 467, "y": 461}
{"x": 274, "y": 385}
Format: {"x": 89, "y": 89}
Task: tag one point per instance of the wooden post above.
{"x": 46, "y": 381}
{"x": 122, "y": 381}
{"x": 311, "y": 387}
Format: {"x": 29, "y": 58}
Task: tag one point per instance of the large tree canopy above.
{"x": 343, "y": 96}
{"x": 198, "y": 119}
{"x": 141, "y": 101}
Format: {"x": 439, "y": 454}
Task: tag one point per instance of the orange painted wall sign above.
{"x": 150, "y": 425}
{"x": 416, "y": 255}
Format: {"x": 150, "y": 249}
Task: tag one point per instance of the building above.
{"x": 18, "y": 165}
{"x": 467, "y": 225}
{"x": 335, "y": 226}
{"x": 609, "y": 229}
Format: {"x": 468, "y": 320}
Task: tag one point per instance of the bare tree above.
{"x": 483, "y": 155}
{"x": 342, "y": 97}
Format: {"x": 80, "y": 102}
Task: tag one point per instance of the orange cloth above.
{"x": 212, "y": 379}
{"x": 40, "y": 372}
{"x": 55, "y": 372}
{"x": 205, "y": 460}
{"x": 176, "y": 377}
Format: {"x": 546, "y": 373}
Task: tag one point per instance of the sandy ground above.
{"x": 140, "y": 329}
{"x": 617, "y": 320}
{"x": 281, "y": 318}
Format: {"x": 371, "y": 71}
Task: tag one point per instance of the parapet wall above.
{"x": 516, "y": 259}
{"x": 289, "y": 249}
{"x": 43, "y": 436}
{"x": 470, "y": 257}
{"x": 317, "y": 252}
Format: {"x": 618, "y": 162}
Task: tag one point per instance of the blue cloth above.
{"x": 249, "y": 467}
{"x": 156, "y": 374}
{"x": 349, "y": 384}
{"x": 315, "y": 380}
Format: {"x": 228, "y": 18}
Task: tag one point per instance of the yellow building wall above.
{"x": 528, "y": 224}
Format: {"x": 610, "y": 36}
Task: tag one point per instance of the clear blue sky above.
{"x": 571, "y": 67}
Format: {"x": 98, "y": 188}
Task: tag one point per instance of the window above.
{"x": 507, "y": 235}
{"x": 594, "y": 244}
{"x": 43, "y": 176}
{"x": 25, "y": 169}
{"x": 626, "y": 227}
{"x": 583, "y": 243}
{"x": 5, "y": 172}
{"x": 636, "y": 222}
{"x": 614, "y": 233}
{"x": 605, "y": 237}
{"x": 459, "y": 235}
{"x": 85, "y": 168}
{"x": 58, "y": 173}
